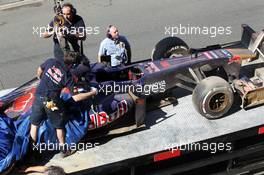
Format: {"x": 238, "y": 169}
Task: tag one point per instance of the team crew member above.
{"x": 73, "y": 30}
{"x": 115, "y": 46}
{"x": 54, "y": 76}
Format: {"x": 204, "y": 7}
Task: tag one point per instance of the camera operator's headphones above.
{"x": 73, "y": 10}
{"x": 108, "y": 34}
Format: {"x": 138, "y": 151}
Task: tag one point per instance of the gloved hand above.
{"x": 51, "y": 105}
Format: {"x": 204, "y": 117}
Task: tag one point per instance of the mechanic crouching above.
{"x": 54, "y": 75}
{"x": 114, "y": 49}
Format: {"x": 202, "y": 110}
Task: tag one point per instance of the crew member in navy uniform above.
{"x": 72, "y": 31}
{"x": 54, "y": 75}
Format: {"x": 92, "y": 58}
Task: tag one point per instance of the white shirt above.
{"x": 115, "y": 49}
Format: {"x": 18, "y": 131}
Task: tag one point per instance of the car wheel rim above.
{"x": 218, "y": 102}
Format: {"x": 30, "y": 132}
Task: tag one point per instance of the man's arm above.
{"x": 81, "y": 30}
{"x": 127, "y": 47}
{"x": 86, "y": 95}
{"x": 46, "y": 34}
{"x": 101, "y": 51}
{"x": 69, "y": 84}
{"x": 41, "y": 68}
{"x": 49, "y": 31}
{"x": 39, "y": 169}
{"x": 39, "y": 72}
{"x": 99, "y": 58}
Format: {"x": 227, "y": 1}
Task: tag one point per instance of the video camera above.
{"x": 57, "y": 7}
{"x": 58, "y": 19}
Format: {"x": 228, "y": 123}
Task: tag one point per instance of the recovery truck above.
{"x": 177, "y": 140}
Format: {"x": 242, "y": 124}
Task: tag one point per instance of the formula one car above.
{"x": 126, "y": 90}
{"x": 213, "y": 74}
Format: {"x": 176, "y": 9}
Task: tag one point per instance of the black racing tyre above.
{"x": 213, "y": 97}
{"x": 170, "y": 47}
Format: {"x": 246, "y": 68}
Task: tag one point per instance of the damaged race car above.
{"x": 212, "y": 74}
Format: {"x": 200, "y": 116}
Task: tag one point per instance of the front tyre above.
{"x": 213, "y": 97}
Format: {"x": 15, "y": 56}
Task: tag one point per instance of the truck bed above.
{"x": 173, "y": 125}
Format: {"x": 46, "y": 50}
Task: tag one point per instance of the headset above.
{"x": 73, "y": 10}
{"x": 108, "y": 35}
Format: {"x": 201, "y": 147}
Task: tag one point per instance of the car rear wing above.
{"x": 252, "y": 40}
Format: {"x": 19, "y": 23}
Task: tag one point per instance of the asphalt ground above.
{"x": 4, "y": 2}
{"x": 143, "y": 22}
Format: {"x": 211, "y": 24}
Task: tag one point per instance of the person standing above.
{"x": 116, "y": 47}
{"x": 71, "y": 30}
{"x": 54, "y": 75}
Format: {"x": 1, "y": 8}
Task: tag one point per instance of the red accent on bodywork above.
{"x": 98, "y": 120}
{"x": 23, "y": 103}
{"x": 102, "y": 119}
{"x": 130, "y": 76}
{"x": 1, "y": 104}
{"x": 165, "y": 64}
{"x": 167, "y": 155}
{"x": 234, "y": 58}
{"x": 261, "y": 130}
{"x": 92, "y": 123}
{"x": 66, "y": 90}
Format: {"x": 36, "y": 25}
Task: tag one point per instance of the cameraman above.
{"x": 72, "y": 30}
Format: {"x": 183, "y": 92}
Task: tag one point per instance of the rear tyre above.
{"x": 213, "y": 97}
{"x": 170, "y": 47}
